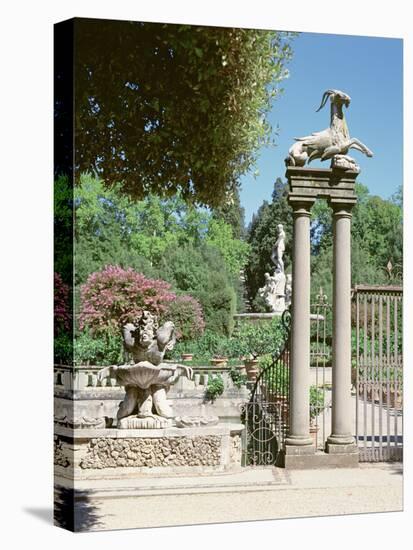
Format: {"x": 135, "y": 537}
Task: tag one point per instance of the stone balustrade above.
{"x": 81, "y": 398}
{"x": 85, "y": 377}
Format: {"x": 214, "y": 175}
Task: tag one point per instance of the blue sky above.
{"x": 370, "y": 70}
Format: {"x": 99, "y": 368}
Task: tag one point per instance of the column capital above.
{"x": 301, "y": 205}
{"x": 342, "y": 207}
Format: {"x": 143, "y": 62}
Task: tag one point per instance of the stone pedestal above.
{"x": 118, "y": 454}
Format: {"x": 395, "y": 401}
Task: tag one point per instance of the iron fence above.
{"x": 377, "y": 372}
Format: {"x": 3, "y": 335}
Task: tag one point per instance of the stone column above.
{"x": 299, "y": 440}
{"x": 341, "y": 439}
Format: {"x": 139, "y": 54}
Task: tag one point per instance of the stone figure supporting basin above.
{"x": 148, "y": 378}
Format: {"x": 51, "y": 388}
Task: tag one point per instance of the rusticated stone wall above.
{"x": 105, "y": 452}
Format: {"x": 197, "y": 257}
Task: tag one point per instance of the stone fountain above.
{"x": 277, "y": 289}
{"x": 148, "y": 378}
{"x": 148, "y": 438}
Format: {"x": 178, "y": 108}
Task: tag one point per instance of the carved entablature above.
{"x": 307, "y": 184}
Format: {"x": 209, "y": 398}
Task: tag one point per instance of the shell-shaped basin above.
{"x": 144, "y": 374}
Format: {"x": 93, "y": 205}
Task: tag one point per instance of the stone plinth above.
{"x": 117, "y": 454}
{"x": 304, "y": 458}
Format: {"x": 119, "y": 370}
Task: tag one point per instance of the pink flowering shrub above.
{"x": 62, "y": 316}
{"x": 115, "y": 296}
{"x": 186, "y": 312}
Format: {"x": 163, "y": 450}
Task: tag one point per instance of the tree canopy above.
{"x": 168, "y": 239}
{"x": 166, "y": 108}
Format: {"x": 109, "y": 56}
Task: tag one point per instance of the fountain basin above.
{"x": 145, "y": 374}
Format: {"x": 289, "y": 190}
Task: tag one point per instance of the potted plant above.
{"x": 220, "y": 357}
{"x": 255, "y": 340}
{"x": 251, "y": 367}
{"x": 219, "y": 360}
{"x": 215, "y": 387}
{"x": 238, "y": 378}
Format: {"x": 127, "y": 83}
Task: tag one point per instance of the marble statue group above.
{"x": 277, "y": 288}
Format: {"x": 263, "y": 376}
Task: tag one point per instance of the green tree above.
{"x": 105, "y": 222}
{"x": 201, "y": 272}
{"x": 377, "y": 237}
{"x": 262, "y": 235}
{"x": 63, "y": 229}
{"x": 161, "y": 238}
{"x": 112, "y": 229}
{"x": 167, "y": 108}
{"x": 233, "y": 214}
{"x": 378, "y": 227}
{"x": 397, "y": 197}
{"x": 234, "y": 251}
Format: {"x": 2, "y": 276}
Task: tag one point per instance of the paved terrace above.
{"x": 254, "y": 494}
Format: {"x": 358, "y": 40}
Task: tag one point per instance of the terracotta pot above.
{"x": 219, "y": 361}
{"x": 251, "y": 367}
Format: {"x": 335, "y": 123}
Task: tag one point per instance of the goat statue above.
{"x": 333, "y": 142}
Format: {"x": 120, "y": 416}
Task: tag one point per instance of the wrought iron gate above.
{"x": 265, "y": 415}
{"x": 377, "y": 372}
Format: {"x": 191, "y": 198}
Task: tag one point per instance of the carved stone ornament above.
{"x": 148, "y": 379}
{"x": 196, "y": 421}
{"x": 333, "y": 142}
{"x": 80, "y": 422}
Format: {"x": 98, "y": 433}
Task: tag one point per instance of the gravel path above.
{"x": 249, "y": 495}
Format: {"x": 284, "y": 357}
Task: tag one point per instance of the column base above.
{"x": 341, "y": 440}
{"x": 299, "y": 440}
